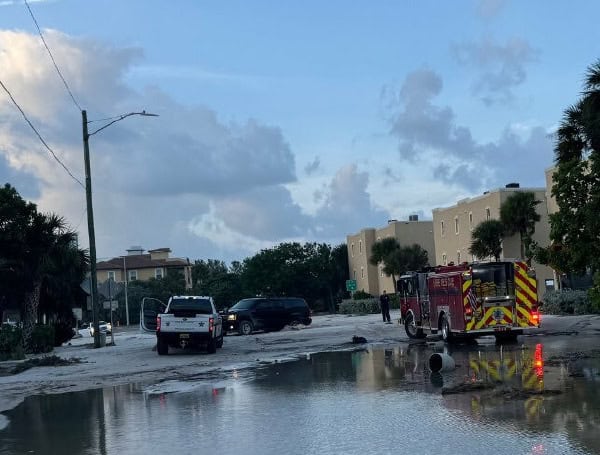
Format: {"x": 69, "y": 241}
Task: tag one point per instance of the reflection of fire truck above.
{"x": 491, "y": 298}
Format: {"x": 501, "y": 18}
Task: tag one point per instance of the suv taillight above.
{"x": 211, "y": 323}
{"x": 157, "y": 323}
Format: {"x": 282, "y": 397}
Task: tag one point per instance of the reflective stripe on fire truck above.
{"x": 526, "y": 295}
{"x": 469, "y": 304}
{"x": 496, "y": 315}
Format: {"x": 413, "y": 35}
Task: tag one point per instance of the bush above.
{"x": 11, "y": 343}
{"x": 594, "y": 294}
{"x": 361, "y": 295}
{"x": 62, "y": 332}
{"x": 364, "y": 306}
{"x": 42, "y": 339}
{"x": 566, "y": 301}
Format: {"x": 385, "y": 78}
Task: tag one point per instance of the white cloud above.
{"x": 501, "y": 67}
{"x": 430, "y": 137}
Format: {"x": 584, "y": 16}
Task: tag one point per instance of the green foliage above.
{"x": 518, "y": 215}
{"x": 487, "y": 239}
{"x": 214, "y": 278}
{"x": 576, "y": 226}
{"x": 397, "y": 259}
{"x": 42, "y": 339}
{"x": 11, "y": 343}
{"x": 366, "y": 305}
{"x": 566, "y": 301}
{"x": 594, "y": 294}
{"x": 312, "y": 271}
{"x": 63, "y": 331}
{"x": 361, "y": 295}
{"x": 363, "y": 306}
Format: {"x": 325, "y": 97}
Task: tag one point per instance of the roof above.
{"x": 140, "y": 261}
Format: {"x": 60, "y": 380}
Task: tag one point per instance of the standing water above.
{"x": 378, "y": 401}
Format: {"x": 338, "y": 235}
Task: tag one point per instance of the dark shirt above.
{"x": 384, "y": 299}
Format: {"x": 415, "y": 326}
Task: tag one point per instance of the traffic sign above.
{"x": 350, "y": 285}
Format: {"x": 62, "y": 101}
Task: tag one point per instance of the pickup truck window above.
{"x": 196, "y": 306}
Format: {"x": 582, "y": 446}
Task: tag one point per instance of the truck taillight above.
{"x": 211, "y": 323}
{"x": 157, "y": 323}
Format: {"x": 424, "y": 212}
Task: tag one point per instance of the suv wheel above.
{"x": 246, "y": 328}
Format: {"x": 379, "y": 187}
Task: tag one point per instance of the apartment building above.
{"x": 453, "y": 227}
{"x": 371, "y": 278}
{"x": 136, "y": 265}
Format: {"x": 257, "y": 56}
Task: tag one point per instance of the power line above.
{"x": 39, "y": 135}
{"x": 52, "y": 57}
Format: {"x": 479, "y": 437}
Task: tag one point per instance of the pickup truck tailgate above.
{"x": 171, "y": 323}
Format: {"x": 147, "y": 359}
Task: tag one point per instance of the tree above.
{"x": 487, "y": 239}
{"x": 397, "y": 259}
{"x": 212, "y": 277}
{"x": 518, "y": 215}
{"x": 576, "y": 226}
{"x": 38, "y": 254}
{"x": 386, "y": 251}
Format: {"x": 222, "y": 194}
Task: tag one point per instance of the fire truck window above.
{"x": 493, "y": 280}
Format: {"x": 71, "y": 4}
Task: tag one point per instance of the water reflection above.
{"x": 338, "y": 402}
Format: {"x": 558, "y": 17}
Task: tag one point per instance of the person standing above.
{"x": 384, "y": 302}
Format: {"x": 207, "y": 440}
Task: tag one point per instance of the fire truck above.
{"x": 470, "y": 300}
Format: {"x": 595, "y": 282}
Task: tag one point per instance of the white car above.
{"x": 105, "y": 327}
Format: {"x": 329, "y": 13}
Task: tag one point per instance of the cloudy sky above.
{"x": 280, "y": 120}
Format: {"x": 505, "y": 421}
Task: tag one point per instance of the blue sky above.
{"x": 283, "y": 121}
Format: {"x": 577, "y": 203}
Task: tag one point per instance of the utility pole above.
{"x": 126, "y": 283}
{"x": 92, "y": 235}
{"x": 90, "y": 213}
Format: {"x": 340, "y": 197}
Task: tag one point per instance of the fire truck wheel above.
{"x": 445, "y": 328}
{"x": 411, "y": 328}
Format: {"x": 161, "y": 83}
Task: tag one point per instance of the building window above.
{"x": 132, "y": 275}
{"x": 362, "y": 272}
{"x": 381, "y": 270}
{"x": 443, "y": 231}
{"x": 111, "y": 275}
{"x": 158, "y": 273}
{"x": 487, "y": 213}
{"x": 359, "y": 246}
{"x": 456, "y": 225}
{"x": 352, "y": 249}
{"x": 354, "y": 274}
{"x": 444, "y": 259}
{"x": 458, "y": 257}
{"x": 471, "y": 221}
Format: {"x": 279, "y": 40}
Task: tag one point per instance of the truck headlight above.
{"x": 231, "y": 317}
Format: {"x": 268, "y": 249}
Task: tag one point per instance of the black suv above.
{"x": 262, "y": 313}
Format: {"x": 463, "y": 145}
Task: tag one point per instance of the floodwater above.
{"x": 380, "y": 400}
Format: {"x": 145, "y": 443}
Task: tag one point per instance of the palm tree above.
{"x": 518, "y": 215}
{"x": 487, "y": 239}
{"x": 50, "y": 253}
{"x": 386, "y": 251}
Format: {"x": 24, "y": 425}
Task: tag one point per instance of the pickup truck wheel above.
{"x": 211, "y": 348}
{"x": 162, "y": 347}
{"x": 246, "y": 328}
{"x": 220, "y": 342}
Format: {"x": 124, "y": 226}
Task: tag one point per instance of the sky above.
{"x": 280, "y": 121}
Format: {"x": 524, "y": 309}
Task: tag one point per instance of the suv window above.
{"x": 294, "y": 304}
{"x": 244, "y": 304}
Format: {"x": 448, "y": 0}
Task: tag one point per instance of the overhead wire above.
{"x": 52, "y": 57}
{"x": 39, "y": 135}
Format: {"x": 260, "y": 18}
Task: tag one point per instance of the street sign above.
{"x": 107, "y": 304}
{"x": 350, "y": 285}
{"x": 110, "y": 288}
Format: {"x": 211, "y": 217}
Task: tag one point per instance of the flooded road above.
{"x": 380, "y": 400}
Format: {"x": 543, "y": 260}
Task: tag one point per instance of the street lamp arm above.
{"x": 144, "y": 113}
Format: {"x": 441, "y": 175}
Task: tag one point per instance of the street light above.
{"x": 90, "y": 214}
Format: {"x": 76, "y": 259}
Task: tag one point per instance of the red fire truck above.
{"x": 470, "y": 300}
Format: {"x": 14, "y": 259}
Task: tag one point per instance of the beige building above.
{"x": 453, "y": 226}
{"x": 371, "y": 278}
{"x": 552, "y": 204}
{"x": 139, "y": 266}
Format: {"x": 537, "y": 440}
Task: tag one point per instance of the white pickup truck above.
{"x": 189, "y": 321}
